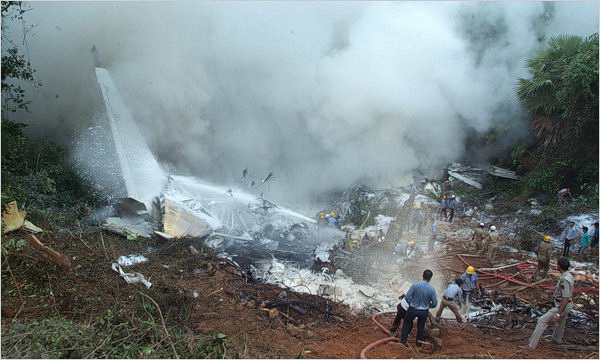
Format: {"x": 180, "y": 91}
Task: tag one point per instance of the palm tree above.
{"x": 540, "y": 93}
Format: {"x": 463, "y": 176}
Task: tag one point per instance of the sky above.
{"x": 323, "y": 94}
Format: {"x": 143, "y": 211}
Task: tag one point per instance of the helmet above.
{"x": 410, "y": 242}
{"x": 453, "y": 196}
{"x": 547, "y": 238}
{"x": 492, "y": 228}
{"x": 321, "y": 214}
{"x": 414, "y": 205}
{"x": 470, "y": 270}
{"x": 481, "y": 224}
{"x": 332, "y": 214}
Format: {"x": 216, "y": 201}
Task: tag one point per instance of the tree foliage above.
{"x": 561, "y": 96}
{"x": 562, "y": 93}
{"x": 16, "y": 69}
{"x": 40, "y": 177}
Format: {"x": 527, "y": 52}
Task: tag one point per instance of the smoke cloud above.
{"x": 322, "y": 94}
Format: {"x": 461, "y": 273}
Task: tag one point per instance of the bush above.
{"x": 42, "y": 181}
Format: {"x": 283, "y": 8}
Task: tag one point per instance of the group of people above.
{"x": 329, "y": 219}
{"x": 587, "y": 242}
{"x": 421, "y": 297}
{"x": 448, "y": 204}
{"x": 486, "y": 244}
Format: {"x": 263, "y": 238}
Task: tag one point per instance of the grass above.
{"x": 114, "y": 333}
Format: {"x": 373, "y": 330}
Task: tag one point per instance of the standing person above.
{"x": 478, "y": 236}
{"x": 433, "y": 234}
{"x": 544, "y": 252}
{"x": 400, "y": 314}
{"x": 594, "y": 242}
{"x": 571, "y": 234}
{"x": 493, "y": 240}
{"x": 453, "y": 293}
{"x": 444, "y": 206}
{"x": 451, "y": 207}
{"x": 420, "y": 297}
{"x": 584, "y": 242}
{"x": 562, "y": 307}
{"x": 469, "y": 278}
{"x": 420, "y": 218}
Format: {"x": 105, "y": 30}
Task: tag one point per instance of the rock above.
{"x": 282, "y": 295}
{"x": 309, "y": 333}
{"x": 489, "y": 207}
{"x": 251, "y": 304}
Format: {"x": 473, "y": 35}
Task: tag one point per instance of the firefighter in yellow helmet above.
{"x": 470, "y": 283}
{"x": 544, "y": 252}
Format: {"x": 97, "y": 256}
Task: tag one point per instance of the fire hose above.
{"x": 363, "y": 353}
{"x": 518, "y": 282}
{"x": 522, "y": 266}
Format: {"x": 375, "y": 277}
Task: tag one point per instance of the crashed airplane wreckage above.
{"x": 179, "y": 206}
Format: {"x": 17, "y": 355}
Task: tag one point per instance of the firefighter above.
{"x": 493, "y": 241}
{"x": 544, "y": 251}
{"x": 478, "y": 237}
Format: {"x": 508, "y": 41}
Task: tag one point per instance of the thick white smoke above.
{"x": 322, "y": 94}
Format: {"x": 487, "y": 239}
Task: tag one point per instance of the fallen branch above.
{"x": 49, "y": 254}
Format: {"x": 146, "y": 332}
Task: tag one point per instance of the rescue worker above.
{"x": 562, "y": 194}
{"x": 544, "y": 252}
{"x": 451, "y": 207}
{"x": 420, "y": 218}
{"x": 400, "y": 249}
{"x": 322, "y": 220}
{"x": 433, "y": 236}
{"x": 571, "y": 234}
{"x": 400, "y": 313}
{"x": 493, "y": 240}
{"x": 420, "y": 298}
{"x": 453, "y": 293}
{"x": 331, "y": 219}
{"x": 594, "y": 242}
{"x": 444, "y": 206}
{"x": 469, "y": 278}
{"x": 410, "y": 247}
{"x": 562, "y": 307}
{"x": 478, "y": 236}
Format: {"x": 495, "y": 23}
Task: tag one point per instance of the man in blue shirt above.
{"x": 420, "y": 297}
{"x": 452, "y": 296}
{"x": 433, "y": 234}
{"x": 469, "y": 278}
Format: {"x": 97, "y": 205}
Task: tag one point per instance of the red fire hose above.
{"x": 363, "y": 353}
{"x": 547, "y": 287}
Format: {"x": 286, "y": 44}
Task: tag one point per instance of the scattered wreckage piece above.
{"x": 130, "y": 227}
{"x": 465, "y": 179}
{"x": 180, "y": 222}
{"x": 504, "y": 173}
{"x": 14, "y": 219}
{"x": 131, "y": 278}
{"x": 47, "y": 253}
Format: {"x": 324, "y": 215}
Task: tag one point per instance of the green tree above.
{"x": 562, "y": 93}
{"x": 15, "y": 67}
{"x": 561, "y": 97}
